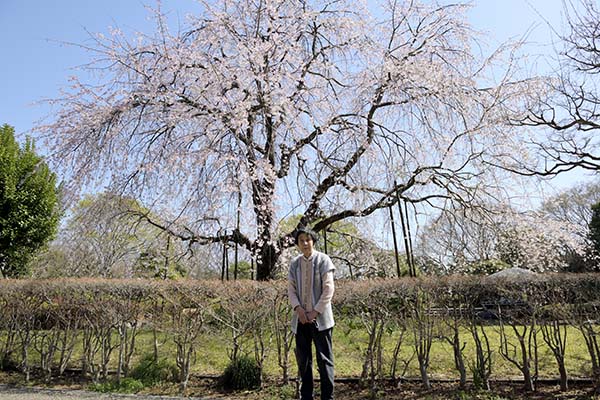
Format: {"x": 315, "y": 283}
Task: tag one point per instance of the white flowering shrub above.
{"x": 538, "y": 243}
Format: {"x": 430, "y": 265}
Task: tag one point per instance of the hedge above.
{"x": 104, "y": 317}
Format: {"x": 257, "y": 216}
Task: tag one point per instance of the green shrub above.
{"x": 150, "y": 372}
{"x": 242, "y": 373}
{"x": 8, "y": 363}
{"x": 127, "y": 385}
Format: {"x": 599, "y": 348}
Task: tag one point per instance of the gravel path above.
{"x": 19, "y": 393}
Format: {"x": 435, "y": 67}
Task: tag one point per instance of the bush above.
{"x": 127, "y": 385}
{"x": 242, "y": 373}
{"x": 63, "y": 309}
{"x": 150, "y": 371}
{"x": 8, "y": 363}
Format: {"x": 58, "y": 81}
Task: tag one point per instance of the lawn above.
{"x": 350, "y": 342}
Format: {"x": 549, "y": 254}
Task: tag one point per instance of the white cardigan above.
{"x": 321, "y": 265}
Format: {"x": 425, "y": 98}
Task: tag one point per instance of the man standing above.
{"x": 310, "y": 290}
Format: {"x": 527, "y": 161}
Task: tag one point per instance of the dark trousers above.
{"x": 306, "y": 334}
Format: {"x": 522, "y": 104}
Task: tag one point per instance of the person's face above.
{"x": 305, "y": 244}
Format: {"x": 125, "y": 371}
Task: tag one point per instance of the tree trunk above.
{"x": 589, "y": 335}
{"x": 564, "y": 378}
{"x": 266, "y": 262}
{"x": 396, "y": 353}
{"x": 483, "y": 366}
{"x": 458, "y": 357}
{"x": 529, "y": 385}
{"x": 555, "y": 335}
{"x": 526, "y": 360}
{"x": 424, "y": 375}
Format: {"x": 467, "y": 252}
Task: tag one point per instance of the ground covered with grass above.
{"x": 350, "y": 343}
{"x": 211, "y": 359}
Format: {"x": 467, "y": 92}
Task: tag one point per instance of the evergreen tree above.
{"x": 29, "y": 211}
{"x": 594, "y": 226}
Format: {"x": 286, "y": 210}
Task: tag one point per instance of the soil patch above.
{"x": 208, "y": 388}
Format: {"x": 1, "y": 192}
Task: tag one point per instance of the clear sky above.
{"x": 35, "y": 63}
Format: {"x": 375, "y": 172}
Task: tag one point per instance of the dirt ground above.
{"x": 439, "y": 391}
{"x": 209, "y": 389}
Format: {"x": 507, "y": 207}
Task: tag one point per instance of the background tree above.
{"x": 594, "y": 234}
{"x": 458, "y": 239}
{"x": 468, "y": 241}
{"x": 574, "y": 207}
{"x": 567, "y": 110}
{"x": 533, "y": 241}
{"x": 261, "y": 109}
{"x": 104, "y": 237}
{"x": 29, "y": 204}
{"x": 594, "y": 238}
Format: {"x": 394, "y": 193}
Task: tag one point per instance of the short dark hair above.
{"x": 307, "y": 231}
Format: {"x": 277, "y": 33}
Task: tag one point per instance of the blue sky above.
{"x": 35, "y": 64}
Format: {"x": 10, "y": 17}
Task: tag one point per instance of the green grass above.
{"x": 350, "y": 342}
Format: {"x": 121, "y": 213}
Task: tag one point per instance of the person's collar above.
{"x": 309, "y": 258}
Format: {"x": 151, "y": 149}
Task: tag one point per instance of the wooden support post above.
{"x": 404, "y": 234}
{"x": 410, "y": 246}
{"x": 396, "y": 255}
{"x": 235, "y": 268}
{"x": 223, "y": 261}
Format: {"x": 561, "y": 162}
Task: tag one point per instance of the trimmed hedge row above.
{"x": 104, "y": 317}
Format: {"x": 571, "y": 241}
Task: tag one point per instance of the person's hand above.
{"x": 312, "y": 316}
{"x": 302, "y": 317}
